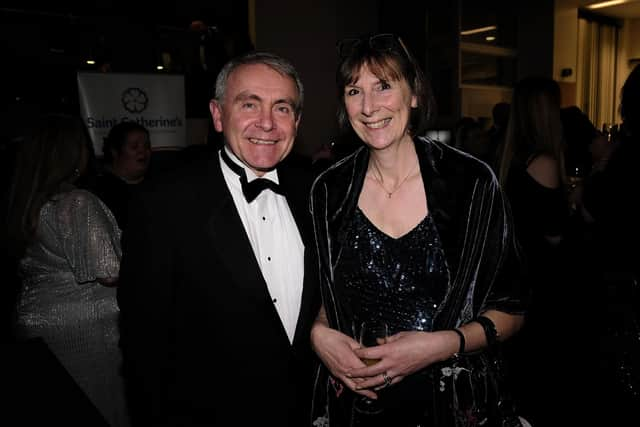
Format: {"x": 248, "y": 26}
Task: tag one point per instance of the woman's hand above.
{"x": 403, "y": 354}
{"x": 336, "y": 350}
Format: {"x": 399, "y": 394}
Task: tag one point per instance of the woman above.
{"x": 127, "y": 154}
{"x": 532, "y": 163}
{"x": 68, "y": 246}
{"x": 416, "y": 234}
{"x": 532, "y": 173}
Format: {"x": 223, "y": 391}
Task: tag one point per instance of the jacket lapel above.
{"x": 307, "y": 313}
{"x": 232, "y": 247}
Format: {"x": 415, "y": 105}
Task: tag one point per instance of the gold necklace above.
{"x": 379, "y": 180}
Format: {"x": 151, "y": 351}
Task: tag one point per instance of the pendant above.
{"x": 389, "y": 195}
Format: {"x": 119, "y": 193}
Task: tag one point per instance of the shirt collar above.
{"x": 271, "y": 175}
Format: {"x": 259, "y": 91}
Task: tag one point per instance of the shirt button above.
{"x": 264, "y": 219}
{"x": 275, "y": 300}
{"x": 268, "y": 258}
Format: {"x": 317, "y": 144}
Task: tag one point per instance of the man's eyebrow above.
{"x": 243, "y": 96}
{"x": 289, "y": 101}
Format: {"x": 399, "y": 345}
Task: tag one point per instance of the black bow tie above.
{"x": 252, "y": 189}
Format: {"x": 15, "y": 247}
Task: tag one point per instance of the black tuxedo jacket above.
{"x": 202, "y": 341}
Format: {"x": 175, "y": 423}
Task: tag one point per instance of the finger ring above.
{"x": 387, "y": 379}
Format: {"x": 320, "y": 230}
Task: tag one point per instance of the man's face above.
{"x": 257, "y": 116}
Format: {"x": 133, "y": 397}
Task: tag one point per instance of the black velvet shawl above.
{"x": 473, "y": 220}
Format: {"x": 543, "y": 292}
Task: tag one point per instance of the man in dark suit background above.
{"x": 217, "y": 284}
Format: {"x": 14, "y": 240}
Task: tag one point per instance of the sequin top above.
{"x": 400, "y": 281}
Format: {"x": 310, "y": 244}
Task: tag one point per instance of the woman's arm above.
{"x": 505, "y": 326}
{"x": 90, "y": 238}
{"x": 408, "y": 352}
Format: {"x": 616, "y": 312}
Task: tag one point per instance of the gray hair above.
{"x": 275, "y": 62}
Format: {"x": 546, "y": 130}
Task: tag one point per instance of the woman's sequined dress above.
{"x": 401, "y": 282}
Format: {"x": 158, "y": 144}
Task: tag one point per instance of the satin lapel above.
{"x": 296, "y": 190}
{"x": 229, "y": 238}
{"x": 308, "y": 305}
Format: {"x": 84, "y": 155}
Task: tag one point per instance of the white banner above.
{"x": 155, "y": 101}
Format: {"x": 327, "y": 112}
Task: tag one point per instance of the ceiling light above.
{"x": 91, "y": 62}
{"x": 490, "y": 38}
{"x": 478, "y": 30}
{"x": 606, "y": 4}
{"x": 159, "y": 67}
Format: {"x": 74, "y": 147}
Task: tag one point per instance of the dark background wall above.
{"x": 45, "y": 44}
{"x": 535, "y": 37}
{"x": 305, "y": 33}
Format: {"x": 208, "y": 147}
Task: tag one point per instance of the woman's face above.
{"x": 133, "y": 158}
{"x": 379, "y": 109}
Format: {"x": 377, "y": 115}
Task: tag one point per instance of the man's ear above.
{"x": 216, "y": 114}
{"x": 298, "y": 122}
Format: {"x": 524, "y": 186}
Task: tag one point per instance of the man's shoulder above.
{"x": 296, "y": 169}
{"x": 295, "y": 163}
{"x": 181, "y": 184}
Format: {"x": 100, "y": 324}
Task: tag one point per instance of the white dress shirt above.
{"x": 275, "y": 240}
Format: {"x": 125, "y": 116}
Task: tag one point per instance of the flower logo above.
{"x": 134, "y": 100}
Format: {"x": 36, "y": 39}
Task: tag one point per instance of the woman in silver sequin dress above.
{"x": 68, "y": 245}
{"x": 417, "y": 234}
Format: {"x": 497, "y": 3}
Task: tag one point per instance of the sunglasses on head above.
{"x": 380, "y": 42}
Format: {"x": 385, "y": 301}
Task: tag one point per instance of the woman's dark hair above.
{"x": 579, "y": 133}
{"x": 52, "y": 155}
{"x": 534, "y": 126}
{"x": 630, "y": 102}
{"x": 117, "y": 137}
{"x": 389, "y": 60}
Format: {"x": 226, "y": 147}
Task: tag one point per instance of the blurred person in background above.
{"x": 67, "y": 247}
{"x": 127, "y": 155}
{"x": 532, "y": 172}
{"x": 496, "y": 133}
{"x": 609, "y": 201}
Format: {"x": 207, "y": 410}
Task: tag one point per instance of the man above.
{"x": 217, "y": 284}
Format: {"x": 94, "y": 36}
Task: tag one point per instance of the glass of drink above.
{"x": 371, "y": 333}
